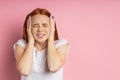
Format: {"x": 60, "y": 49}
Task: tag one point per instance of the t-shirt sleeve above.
{"x": 21, "y": 42}
{"x": 61, "y": 42}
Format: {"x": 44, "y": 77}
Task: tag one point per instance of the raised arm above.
{"x": 24, "y": 56}
{"x": 55, "y": 56}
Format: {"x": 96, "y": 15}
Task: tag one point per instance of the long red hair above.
{"x": 35, "y": 12}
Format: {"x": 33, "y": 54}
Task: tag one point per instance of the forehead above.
{"x": 40, "y": 19}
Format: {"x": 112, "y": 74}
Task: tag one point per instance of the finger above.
{"x": 50, "y": 17}
{"x": 52, "y": 20}
{"x": 52, "y": 23}
{"x": 30, "y": 22}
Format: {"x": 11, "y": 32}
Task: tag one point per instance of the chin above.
{"x": 41, "y": 40}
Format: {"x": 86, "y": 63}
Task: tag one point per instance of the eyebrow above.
{"x": 36, "y": 24}
{"x": 42, "y": 24}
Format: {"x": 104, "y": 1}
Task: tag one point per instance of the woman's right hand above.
{"x": 30, "y": 35}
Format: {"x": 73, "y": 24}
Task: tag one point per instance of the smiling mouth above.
{"x": 40, "y": 35}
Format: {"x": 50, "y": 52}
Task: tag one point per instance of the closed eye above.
{"x": 45, "y": 25}
{"x": 35, "y": 25}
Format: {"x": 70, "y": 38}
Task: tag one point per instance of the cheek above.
{"x": 33, "y": 30}
{"x": 48, "y": 30}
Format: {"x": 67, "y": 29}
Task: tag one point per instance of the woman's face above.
{"x": 40, "y": 27}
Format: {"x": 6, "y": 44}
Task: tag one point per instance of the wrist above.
{"x": 50, "y": 40}
{"x": 31, "y": 41}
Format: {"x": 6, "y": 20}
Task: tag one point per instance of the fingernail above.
{"x": 52, "y": 16}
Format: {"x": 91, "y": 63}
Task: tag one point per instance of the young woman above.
{"x": 40, "y": 55}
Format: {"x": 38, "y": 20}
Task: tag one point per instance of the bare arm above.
{"x": 24, "y": 57}
{"x": 55, "y": 56}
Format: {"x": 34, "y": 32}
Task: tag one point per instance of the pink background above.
{"x": 91, "y": 27}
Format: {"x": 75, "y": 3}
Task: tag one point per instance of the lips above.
{"x": 40, "y": 35}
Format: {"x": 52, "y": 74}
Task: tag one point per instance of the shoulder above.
{"x": 62, "y": 46}
{"x": 21, "y": 42}
{"x": 61, "y": 42}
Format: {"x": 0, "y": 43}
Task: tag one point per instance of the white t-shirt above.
{"x": 39, "y": 69}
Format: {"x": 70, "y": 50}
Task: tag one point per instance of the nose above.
{"x": 40, "y": 28}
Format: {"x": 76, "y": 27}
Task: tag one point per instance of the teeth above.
{"x": 40, "y": 35}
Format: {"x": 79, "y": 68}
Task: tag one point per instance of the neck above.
{"x": 40, "y": 45}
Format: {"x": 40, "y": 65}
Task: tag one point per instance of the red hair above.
{"x": 35, "y": 12}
